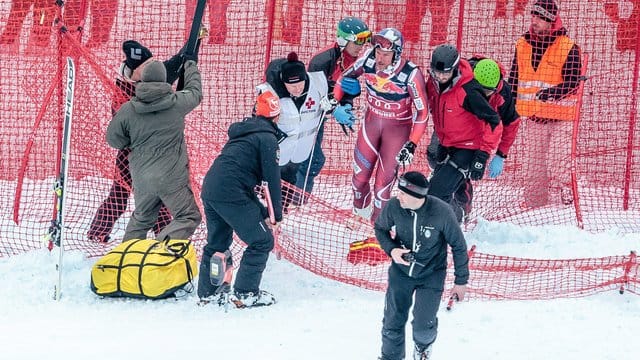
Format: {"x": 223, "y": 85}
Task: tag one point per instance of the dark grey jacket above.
{"x": 426, "y": 231}
{"x": 152, "y": 125}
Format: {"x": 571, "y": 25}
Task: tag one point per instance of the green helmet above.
{"x": 487, "y": 73}
{"x": 352, "y": 29}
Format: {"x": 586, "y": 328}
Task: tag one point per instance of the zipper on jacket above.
{"x": 415, "y": 237}
{"x": 443, "y": 112}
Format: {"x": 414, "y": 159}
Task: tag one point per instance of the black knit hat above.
{"x": 547, "y": 10}
{"x": 293, "y": 70}
{"x": 135, "y": 54}
{"x": 414, "y": 183}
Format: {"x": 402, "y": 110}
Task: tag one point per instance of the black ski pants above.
{"x": 248, "y": 222}
{"x": 451, "y": 177}
{"x": 398, "y": 301}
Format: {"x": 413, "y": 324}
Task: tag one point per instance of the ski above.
{"x": 193, "y": 37}
{"x": 56, "y": 229}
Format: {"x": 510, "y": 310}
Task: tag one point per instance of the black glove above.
{"x": 478, "y": 165}
{"x": 441, "y": 154}
{"x": 405, "y": 156}
{"x": 431, "y": 159}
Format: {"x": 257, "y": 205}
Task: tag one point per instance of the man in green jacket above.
{"x": 152, "y": 125}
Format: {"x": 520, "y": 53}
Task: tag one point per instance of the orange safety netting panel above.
{"x": 590, "y": 165}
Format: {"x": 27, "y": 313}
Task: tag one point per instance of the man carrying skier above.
{"x": 304, "y": 102}
{"x": 491, "y": 77}
{"x": 467, "y": 126}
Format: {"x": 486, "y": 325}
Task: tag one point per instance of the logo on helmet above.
{"x": 267, "y": 105}
{"x": 389, "y": 39}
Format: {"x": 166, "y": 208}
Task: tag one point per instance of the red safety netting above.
{"x": 596, "y": 159}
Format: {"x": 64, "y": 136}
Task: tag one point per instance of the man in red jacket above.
{"x": 464, "y": 122}
{"x": 490, "y": 75}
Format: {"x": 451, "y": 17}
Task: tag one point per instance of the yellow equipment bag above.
{"x": 147, "y": 269}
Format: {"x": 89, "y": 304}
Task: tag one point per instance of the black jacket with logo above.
{"x": 426, "y": 231}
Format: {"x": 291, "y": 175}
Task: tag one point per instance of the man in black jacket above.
{"x": 424, "y": 226}
{"x": 230, "y": 203}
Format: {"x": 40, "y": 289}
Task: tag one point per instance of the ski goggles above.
{"x": 382, "y": 42}
{"x": 360, "y": 38}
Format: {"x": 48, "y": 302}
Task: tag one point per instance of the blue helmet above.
{"x": 389, "y": 39}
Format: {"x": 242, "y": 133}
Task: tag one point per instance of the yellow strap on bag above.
{"x": 147, "y": 269}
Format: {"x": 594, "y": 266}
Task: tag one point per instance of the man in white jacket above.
{"x": 302, "y": 106}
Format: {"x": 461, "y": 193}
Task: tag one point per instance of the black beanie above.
{"x": 135, "y": 54}
{"x": 545, "y": 9}
{"x": 293, "y": 70}
{"x": 414, "y": 184}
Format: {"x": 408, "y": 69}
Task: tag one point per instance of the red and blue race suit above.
{"x": 389, "y": 122}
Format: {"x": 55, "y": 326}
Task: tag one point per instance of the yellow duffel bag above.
{"x": 147, "y": 269}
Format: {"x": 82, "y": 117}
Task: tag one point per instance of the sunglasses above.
{"x": 382, "y": 42}
{"x": 360, "y": 38}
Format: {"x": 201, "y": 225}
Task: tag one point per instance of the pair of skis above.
{"x": 56, "y": 232}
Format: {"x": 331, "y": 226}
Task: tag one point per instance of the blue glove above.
{"x": 343, "y": 115}
{"x": 350, "y": 86}
{"x": 495, "y": 166}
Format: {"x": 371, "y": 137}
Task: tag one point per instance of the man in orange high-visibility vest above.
{"x": 544, "y": 77}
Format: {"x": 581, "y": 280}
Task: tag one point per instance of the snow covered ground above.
{"x": 315, "y": 318}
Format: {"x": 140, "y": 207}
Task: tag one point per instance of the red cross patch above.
{"x": 310, "y": 102}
